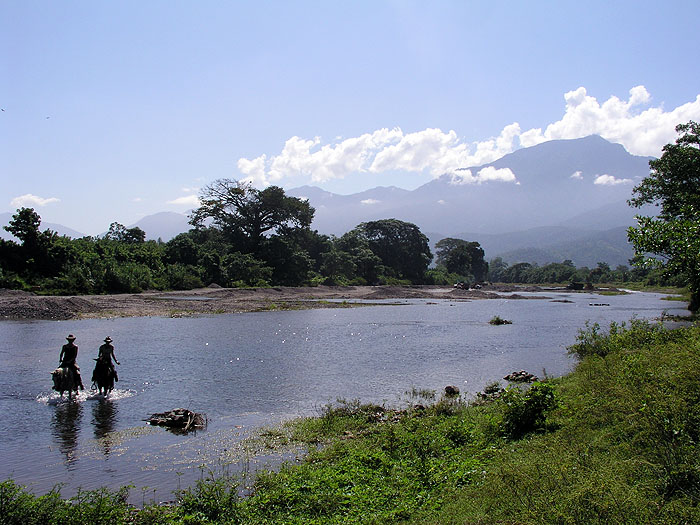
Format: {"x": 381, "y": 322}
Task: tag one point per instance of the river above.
{"x": 248, "y": 370}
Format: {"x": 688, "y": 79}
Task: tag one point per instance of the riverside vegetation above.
{"x": 615, "y": 441}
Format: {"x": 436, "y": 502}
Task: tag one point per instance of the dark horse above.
{"x": 103, "y": 376}
{"x": 65, "y": 380}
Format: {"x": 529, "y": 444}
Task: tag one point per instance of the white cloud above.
{"x": 460, "y": 177}
{"x": 431, "y": 150}
{"x": 254, "y": 170}
{"x": 490, "y": 173}
{"x": 369, "y": 202}
{"x": 442, "y": 202}
{"x": 609, "y": 180}
{"x": 487, "y": 174}
{"x": 642, "y": 129}
{"x": 641, "y": 132}
{"x": 188, "y": 200}
{"x": 28, "y": 201}
{"x": 576, "y": 175}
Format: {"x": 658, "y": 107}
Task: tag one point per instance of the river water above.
{"x": 248, "y": 370}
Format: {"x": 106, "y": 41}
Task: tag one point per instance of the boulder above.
{"x": 521, "y": 377}
{"x": 451, "y": 391}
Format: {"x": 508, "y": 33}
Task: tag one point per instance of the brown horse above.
{"x": 103, "y": 376}
{"x": 65, "y": 380}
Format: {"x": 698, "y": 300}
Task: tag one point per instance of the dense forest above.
{"x": 242, "y": 236}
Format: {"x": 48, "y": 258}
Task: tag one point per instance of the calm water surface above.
{"x": 247, "y": 370}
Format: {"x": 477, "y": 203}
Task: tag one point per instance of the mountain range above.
{"x": 563, "y": 199}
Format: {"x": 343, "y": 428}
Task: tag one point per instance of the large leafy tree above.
{"x": 25, "y": 226}
{"x": 401, "y": 247}
{"x": 40, "y": 253}
{"x": 462, "y": 257}
{"x": 246, "y": 215}
{"x": 366, "y": 264}
{"x": 120, "y": 233}
{"x": 672, "y": 239}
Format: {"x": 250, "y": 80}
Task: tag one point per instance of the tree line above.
{"x": 566, "y": 272}
{"x": 240, "y": 236}
{"x": 243, "y": 236}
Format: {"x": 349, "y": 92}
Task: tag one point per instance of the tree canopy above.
{"x": 119, "y": 232}
{"x": 461, "y": 257}
{"x": 672, "y": 240}
{"x": 245, "y": 214}
{"x": 401, "y": 247}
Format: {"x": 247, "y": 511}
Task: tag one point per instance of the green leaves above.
{"x": 462, "y": 257}
{"x": 527, "y": 411}
{"x": 245, "y": 213}
{"x": 672, "y": 240}
{"x": 401, "y": 247}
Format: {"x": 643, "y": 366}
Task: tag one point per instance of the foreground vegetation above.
{"x": 616, "y": 441}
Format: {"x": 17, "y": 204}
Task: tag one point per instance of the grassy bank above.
{"x": 613, "y": 442}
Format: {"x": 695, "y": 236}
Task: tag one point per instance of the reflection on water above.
{"x": 65, "y": 427}
{"x": 104, "y": 416}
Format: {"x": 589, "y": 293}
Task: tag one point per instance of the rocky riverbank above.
{"x": 16, "y": 304}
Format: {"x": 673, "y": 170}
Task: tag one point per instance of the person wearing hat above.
{"x": 69, "y": 353}
{"x": 105, "y": 355}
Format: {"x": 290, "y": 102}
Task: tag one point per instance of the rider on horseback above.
{"x": 105, "y": 356}
{"x": 69, "y": 353}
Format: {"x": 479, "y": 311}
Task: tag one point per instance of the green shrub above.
{"x": 18, "y": 506}
{"x": 525, "y": 412}
{"x": 183, "y": 277}
{"x": 210, "y": 500}
{"x": 592, "y": 342}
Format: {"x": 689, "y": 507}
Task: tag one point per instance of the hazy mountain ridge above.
{"x": 609, "y": 246}
{"x": 163, "y": 225}
{"x": 553, "y": 211}
{"x": 555, "y": 182}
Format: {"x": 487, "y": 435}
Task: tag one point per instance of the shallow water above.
{"x": 248, "y": 370}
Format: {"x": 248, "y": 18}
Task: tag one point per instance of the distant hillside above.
{"x": 609, "y": 246}
{"x": 559, "y": 182}
{"x": 533, "y": 239}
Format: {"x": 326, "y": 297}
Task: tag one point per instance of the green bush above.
{"x": 210, "y": 500}
{"x": 592, "y": 342}
{"x": 18, "y": 506}
{"x": 526, "y": 411}
{"x": 127, "y": 278}
{"x": 183, "y": 277}
{"x": 11, "y": 280}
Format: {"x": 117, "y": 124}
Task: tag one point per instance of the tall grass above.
{"x": 626, "y": 447}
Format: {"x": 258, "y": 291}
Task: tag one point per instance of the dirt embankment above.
{"x": 207, "y": 301}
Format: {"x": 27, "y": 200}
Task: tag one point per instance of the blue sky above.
{"x": 115, "y": 110}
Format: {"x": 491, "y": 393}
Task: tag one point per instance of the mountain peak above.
{"x": 163, "y": 225}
